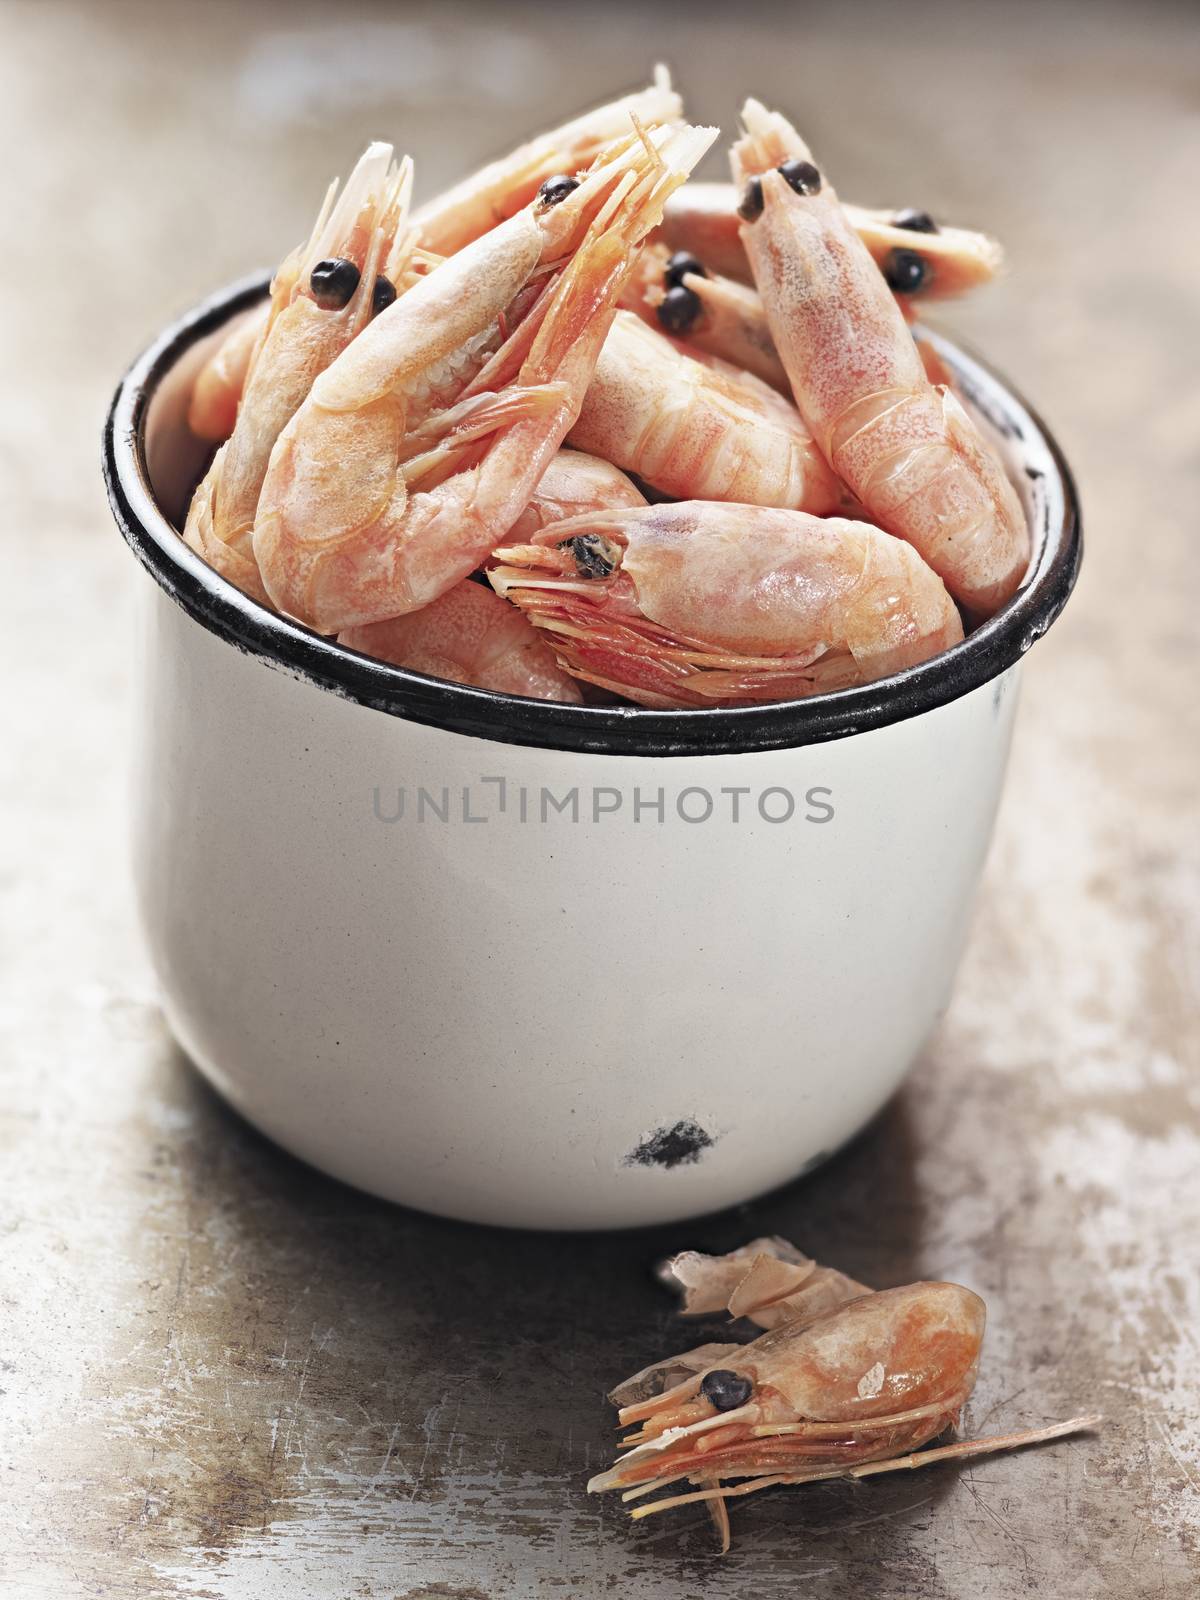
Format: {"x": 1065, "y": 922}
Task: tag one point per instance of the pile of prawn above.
{"x": 845, "y": 1382}
{"x": 580, "y": 430}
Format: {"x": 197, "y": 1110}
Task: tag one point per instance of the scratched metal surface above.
{"x": 225, "y": 1377}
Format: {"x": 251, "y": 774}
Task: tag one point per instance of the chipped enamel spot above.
{"x": 667, "y": 1147}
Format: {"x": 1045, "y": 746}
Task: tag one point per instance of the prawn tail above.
{"x": 482, "y": 417}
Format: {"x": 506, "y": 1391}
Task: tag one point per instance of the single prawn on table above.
{"x": 697, "y": 603}
{"x": 909, "y": 452}
{"x": 846, "y": 1383}
{"x": 420, "y": 447}
{"x": 355, "y": 262}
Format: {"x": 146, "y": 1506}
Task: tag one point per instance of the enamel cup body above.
{"x": 548, "y": 967}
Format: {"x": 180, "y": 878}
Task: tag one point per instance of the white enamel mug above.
{"x": 542, "y": 965}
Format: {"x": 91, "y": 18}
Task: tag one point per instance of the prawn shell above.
{"x": 766, "y": 582}
{"x": 696, "y": 427}
{"x": 213, "y": 405}
{"x": 908, "y": 451}
{"x": 884, "y": 1354}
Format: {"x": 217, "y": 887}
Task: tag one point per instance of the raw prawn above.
{"x": 696, "y": 427}
{"x": 354, "y": 263}
{"x": 918, "y": 257}
{"x": 418, "y": 449}
{"x": 696, "y": 603}
{"x": 850, "y": 1393}
{"x": 908, "y": 451}
{"x": 469, "y": 635}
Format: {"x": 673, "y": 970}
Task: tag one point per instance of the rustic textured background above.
{"x": 222, "y": 1376}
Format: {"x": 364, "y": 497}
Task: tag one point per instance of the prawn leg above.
{"x": 960, "y": 1450}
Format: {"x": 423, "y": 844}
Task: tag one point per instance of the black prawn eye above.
{"x": 382, "y": 295}
{"x": 680, "y": 264}
{"x": 333, "y": 282}
{"x": 751, "y": 203}
{"x": 593, "y": 555}
{"x": 557, "y": 188}
{"x": 914, "y": 221}
{"x": 905, "y": 271}
{"x": 801, "y": 176}
{"x": 726, "y": 1390}
{"x": 678, "y": 309}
